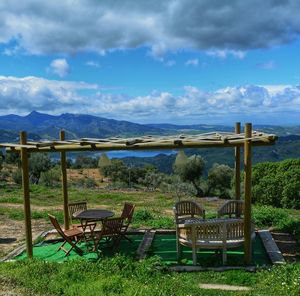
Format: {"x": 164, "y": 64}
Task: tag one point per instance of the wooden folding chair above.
{"x": 110, "y": 232}
{"x": 127, "y": 215}
{"x": 76, "y": 207}
{"x": 71, "y": 236}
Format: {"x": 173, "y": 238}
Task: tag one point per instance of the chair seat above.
{"x": 73, "y": 232}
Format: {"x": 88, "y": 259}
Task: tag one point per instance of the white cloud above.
{"x": 192, "y": 62}
{"x": 170, "y": 63}
{"x": 22, "y": 95}
{"x": 266, "y": 66}
{"x": 220, "y": 27}
{"x": 60, "y": 67}
{"x": 223, "y": 54}
{"x": 93, "y": 64}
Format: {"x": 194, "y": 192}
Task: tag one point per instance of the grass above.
{"x": 125, "y": 276}
{"x": 122, "y": 275}
{"x": 158, "y": 204}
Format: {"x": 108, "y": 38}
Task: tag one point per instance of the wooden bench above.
{"x": 218, "y": 234}
{"x": 231, "y": 208}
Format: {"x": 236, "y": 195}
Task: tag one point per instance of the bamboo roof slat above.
{"x": 211, "y": 139}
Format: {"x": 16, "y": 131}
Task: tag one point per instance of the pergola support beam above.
{"x": 237, "y": 165}
{"x": 26, "y": 194}
{"x": 247, "y": 189}
{"x": 63, "y": 166}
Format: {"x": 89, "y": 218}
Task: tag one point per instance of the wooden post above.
{"x": 64, "y": 183}
{"x": 247, "y": 189}
{"x": 26, "y": 194}
{"x": 237, "y": 165}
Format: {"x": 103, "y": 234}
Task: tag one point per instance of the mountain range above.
{"x": 45, "y": 126}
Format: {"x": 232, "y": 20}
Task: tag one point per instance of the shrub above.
{"x": 85, "y": 183}
{"x": 17, "y": 176}
{"x": 50, "y": 178}
{"x": 267, "y": 216}
{"x": 142, "y": 216}
{"x": 277, "y": 184}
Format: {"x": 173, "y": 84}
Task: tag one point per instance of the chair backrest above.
{"x": 232, "y": 208}
{"x": 112, "y": 226}
{"x": 56, "y": 225}
{"x": 127, "y": 212}
{"x": 75, "y": 207}
{"x": 188, "y": 209}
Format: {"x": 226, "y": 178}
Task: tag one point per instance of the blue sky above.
{"x": 152, "y": 61}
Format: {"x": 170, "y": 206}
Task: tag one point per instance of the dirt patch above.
{"x": 224, "y": 287}
{"x": 78, "y": 174}
{"x": 8, "y": 289}
{"x": 13, "y": 233}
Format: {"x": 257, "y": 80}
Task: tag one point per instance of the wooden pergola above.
{"x": 236, "y": 140}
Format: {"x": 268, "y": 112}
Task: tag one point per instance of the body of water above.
{"x": 142, "y": 153}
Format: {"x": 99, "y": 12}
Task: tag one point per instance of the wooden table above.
{"x": 93, "y": 215}
{"x": 88, "y": 219}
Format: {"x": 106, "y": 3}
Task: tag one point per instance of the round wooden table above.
{"x": 93, "y": 215}
{"x": 88, "y": 220}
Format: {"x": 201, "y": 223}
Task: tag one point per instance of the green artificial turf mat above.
{"x": 48, "y": 251}
{"x": 164, "y": 246}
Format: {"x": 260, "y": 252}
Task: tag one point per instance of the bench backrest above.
{"x": 232, "y": 208}
{"x": 231, "y": 229}
{"x": 188, "y": 209}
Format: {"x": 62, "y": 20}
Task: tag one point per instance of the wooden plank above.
{"x": 145, "y": 244}
{"x": 247, "y": 193}
{"x": 237, "y": 168}
{"x": 63, "y": 167}
{"x": 216, "y": 139}
{"x": 271, "y": 247}
{"x": 26, "y": 194}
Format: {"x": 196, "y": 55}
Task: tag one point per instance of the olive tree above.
{"x": 191, "y": 170}
{"x": 220, "y": 179}
{"x": 103, "y": 162}
{"x": 38, "y": 163}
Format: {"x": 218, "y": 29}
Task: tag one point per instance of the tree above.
{"x": 38, "y": 163}
{"x": 51, "y": 178}
{"x": 1, "y": 160}
{"x": 152, "y": 180}
{"x": 84, "y": 162}
{"x": 181, "y": 158}
{"x": 220, "y": 179}
{"x": 103, "y": 162}
{"x": 13, "y": 158}
{"x": 191, "y": 171}
{"x": 117, "y": 171}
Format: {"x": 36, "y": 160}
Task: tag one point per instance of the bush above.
{"x": 277, "y": 184}
{"x": 17, "y": 176}
{"x": 267, "y": 216}
{"x": 142, "y": 216}
{"x": 85, "y": 183}
{"x": 50, "y": 178}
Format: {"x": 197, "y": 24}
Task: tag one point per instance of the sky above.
{"x": 171, "y": 61}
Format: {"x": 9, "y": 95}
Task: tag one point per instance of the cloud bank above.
{"x": 22, "y": 95}
{"x": 220, "y": 27}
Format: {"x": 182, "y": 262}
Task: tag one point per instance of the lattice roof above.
{"x": 213, "y": 139}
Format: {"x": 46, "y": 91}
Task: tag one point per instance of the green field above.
{"x": 123, "y": 275}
